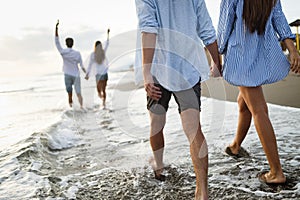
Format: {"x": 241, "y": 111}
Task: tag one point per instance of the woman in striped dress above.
{"x": 249, "y": 32}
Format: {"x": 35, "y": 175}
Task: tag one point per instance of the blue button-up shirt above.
{"x": 251, "y": 59}
{"x": 181, "y": 27}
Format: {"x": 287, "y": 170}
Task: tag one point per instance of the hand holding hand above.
{"x": 216, "y": 70}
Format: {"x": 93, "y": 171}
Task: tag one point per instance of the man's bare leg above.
{"x": 157, "y": 123}
{"x": 80, "y": 100}
{"x": 198, "y": 149}
{"x": 70, "y": 99}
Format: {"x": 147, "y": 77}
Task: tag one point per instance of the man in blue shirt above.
{"x": 173, "y": 62}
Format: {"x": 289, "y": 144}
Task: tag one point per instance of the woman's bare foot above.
{"x": 269, "y": 178}
{"x": 234, "y": 148}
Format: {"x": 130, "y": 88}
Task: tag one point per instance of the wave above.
{"x": 17, "y": 90}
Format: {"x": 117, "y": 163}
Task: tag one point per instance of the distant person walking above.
{"x": 99, "y": 62}
{"x": 248, "y": 34}
{"x": 174, "y": 64}
{"x": 71, "y": 59}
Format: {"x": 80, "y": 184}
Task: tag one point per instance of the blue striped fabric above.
{"x": 250, "y": 59}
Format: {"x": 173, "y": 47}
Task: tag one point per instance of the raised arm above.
{"x": 56, "y": 28}
{"x": 107, "y": 40}
{"x": 57, "y": 43}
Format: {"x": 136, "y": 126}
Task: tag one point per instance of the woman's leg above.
{"x": 257, "y": 105}
{"x": 103, "y": 90}
{"x": 244, "y": 122}
{"x": 99, "y": 89}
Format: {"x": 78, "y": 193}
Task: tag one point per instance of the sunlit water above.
{"x": 50, "y": 151}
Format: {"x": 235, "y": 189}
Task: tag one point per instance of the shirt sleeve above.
{"x": 57, "y": 44}
{"x": 80, "y": 61}
{"x": 146, "y": 13}
{"x": 280, "y": 23}
{"x": 106, "y": 45}
{"x": 205, "y": 28}
{"x": 226, "y": 21}
{"x": 90, "y": 62}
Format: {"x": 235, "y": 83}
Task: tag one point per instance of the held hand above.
{"x": 152, "y": 90}
{"x": 87, "y": 77}
{"x": 216, "y": 71}
{"x": 295, "y": 62}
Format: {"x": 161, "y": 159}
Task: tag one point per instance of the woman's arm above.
{"x": 226, "y": 21}
{"x": 294, "y": 55}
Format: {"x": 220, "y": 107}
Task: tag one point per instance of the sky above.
{"x": 27, "y": 29}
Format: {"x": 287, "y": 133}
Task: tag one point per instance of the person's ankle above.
{"x": 199, "y": 195}
{"x": 234, "y": 147}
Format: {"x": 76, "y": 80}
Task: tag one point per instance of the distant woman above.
{"x": 249, "y": 32}
{"x": 99, "y": 63}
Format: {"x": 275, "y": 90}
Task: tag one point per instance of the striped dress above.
{"x": 250, "y": 59}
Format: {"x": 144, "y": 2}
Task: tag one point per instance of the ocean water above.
{"x": 53, "y": 152}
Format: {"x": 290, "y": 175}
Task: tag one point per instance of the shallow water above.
{"x": 53, "y": 152}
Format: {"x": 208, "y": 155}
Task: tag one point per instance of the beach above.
{"x": 53, "y": 152}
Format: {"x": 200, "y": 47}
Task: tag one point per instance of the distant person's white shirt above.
{"x": 96, "y": 68}
{"x": 71, "y": 59}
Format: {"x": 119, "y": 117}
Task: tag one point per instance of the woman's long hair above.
{"x": 256, "y": 14}
{"x": 99, "y": 52}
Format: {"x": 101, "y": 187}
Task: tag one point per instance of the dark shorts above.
{"x": 101, "y": 77}
{"x": 70, "y": 81}
{"x": 185, "y": 99}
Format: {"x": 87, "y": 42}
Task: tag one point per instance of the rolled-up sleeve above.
{"x": 205, "y": 28}
{"x": 147, "y": 19}
{"x": 280, "y": 23}
{"x": 225, "y": 25}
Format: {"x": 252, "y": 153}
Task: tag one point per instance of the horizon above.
{"x": 27, "y": 41}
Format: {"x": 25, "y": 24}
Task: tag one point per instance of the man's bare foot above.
{"x": 269, "y": 178}
{"x": 158, "y": 170}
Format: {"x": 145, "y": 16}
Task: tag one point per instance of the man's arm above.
{"x": 216, "y": 67}
{"x": 148, "y": 48}
{"x": 57, "y": 43}
{"x": 81, "y": 63}
{"x": 107, "y": 40}
{"x": 56, "y": 28}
